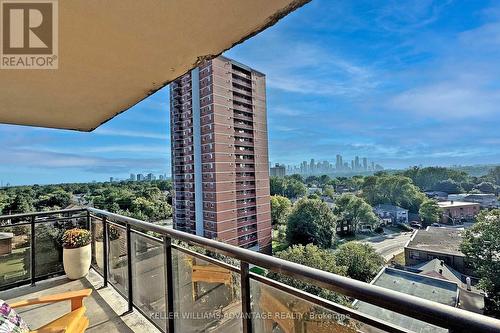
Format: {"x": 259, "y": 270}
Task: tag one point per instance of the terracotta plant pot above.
{"x": 77, "y": 262}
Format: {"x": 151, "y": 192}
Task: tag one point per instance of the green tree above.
{"x": 329, "y": 191}
{"x": 311, "y": 221}
{"x": 486, "y": 187}
{"x": 277, "y": 185}
{"x": 311, "y": 256}
{"x": 362, "y": 261}
{"x": 280, "y": 209}
{"x": 481, "y": 246}
{"x": 297, "y": 177}
{"x": 22, "y": 203}
{"x": 495, "y": 174}
{"x": 427, "y": 178}
{"x": 355, "y": 211}
{"x": 449, "y": 186}
{"x": 295, "y": 189}
{"x": 393, "y": 189}
{"x": 429, "y": 212}
{"x": 54, "y": 200}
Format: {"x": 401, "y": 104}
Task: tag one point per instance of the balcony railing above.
{"x": 178, "y": 289}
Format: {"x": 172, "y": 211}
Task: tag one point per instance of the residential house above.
{"x": 391, "y": 214}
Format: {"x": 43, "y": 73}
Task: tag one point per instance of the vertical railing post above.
{"x": 88, "y": 221}
{"x": 105, "y": 250}
{"x": 245, "y": 297}
{"x": 169, "y": 288}
{"x": 129, "y": 271}
{"x": 33, "y": 253}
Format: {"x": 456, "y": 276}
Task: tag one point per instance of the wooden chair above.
{"x": 72, "y": 322}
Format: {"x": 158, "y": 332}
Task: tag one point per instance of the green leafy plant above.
{"x": 75, "y": 238}
{"x": 113, "y": 234}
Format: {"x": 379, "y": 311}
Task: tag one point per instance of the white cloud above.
{"x": 132, "y": 133}
{"x": 448, "y": 100}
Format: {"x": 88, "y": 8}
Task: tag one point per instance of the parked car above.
{"x": 416, "y": 225}
{"x": 435, "y": 225}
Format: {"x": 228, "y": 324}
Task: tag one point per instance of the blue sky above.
{"x": 402, "y": 83}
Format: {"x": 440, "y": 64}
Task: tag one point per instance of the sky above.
{"x": 400, "y": 82}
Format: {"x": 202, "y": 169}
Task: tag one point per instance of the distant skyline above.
{"x": 401, "y": 83}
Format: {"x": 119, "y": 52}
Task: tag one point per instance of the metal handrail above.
{"x": 431, "y": 312}
{"x": 38, "y": 214}
{"x": 456, "y": 320}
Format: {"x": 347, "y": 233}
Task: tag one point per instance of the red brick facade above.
{"x": 234, "y": 154}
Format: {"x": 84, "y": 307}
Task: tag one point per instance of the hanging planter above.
{"x": 76, "y": 253}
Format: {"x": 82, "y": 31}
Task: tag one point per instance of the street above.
{"x": 389, "y": 245}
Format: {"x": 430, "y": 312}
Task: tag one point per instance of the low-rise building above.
{"x": 436, "y": 243}
{"x": 430, "y": 288}
{"x": 391, "y": 214}
{"x": 457, "y": 212}
{"x": 470, "y": 298}
{"x": 437, "y": 195}
{"x": 484, "y": 200}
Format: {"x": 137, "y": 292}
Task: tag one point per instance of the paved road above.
{"x": 389, "y": 245}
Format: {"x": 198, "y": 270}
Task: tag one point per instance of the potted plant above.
{"x": 76, "y": 253}
{"x": 113, "y": 235}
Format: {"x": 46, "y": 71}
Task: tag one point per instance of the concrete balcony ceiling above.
{"x": 112, "y": 54}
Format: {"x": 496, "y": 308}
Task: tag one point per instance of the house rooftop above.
{"x": 389, "y": 207}
{"x": 437, "y": 290}
{"x": 448, "y": 204}
{"x": 437, "y": 239}
{"x": 470, "y": 300}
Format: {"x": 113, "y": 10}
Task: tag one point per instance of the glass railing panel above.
{"x": 276, "y": 310}
{"x": 48, "y": 248}
{"x": 206, "y": 296}
{"x": 49, "y": 230}
{"x": 97, "y": 245}
{"x": 117, "y": 260}
{"x": 148, "y": 271}
{"x": 15, "y": 254}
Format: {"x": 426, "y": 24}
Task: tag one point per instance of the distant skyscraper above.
{"x": 220, "y": 165}
{"x": 365, "y": 164}
{"x": 339, "y": 165}
{"x": 373, "y": 166}
{"x": 352, "y": 165}
{"x": 140, "y": 177}
{"x": 357, "y": 166}
{"x": 132, "y": 177}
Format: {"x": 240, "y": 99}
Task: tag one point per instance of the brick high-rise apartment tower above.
{"x": 220, "y": 162}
